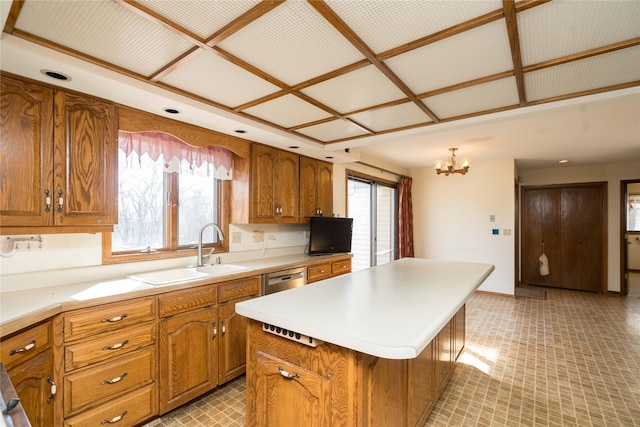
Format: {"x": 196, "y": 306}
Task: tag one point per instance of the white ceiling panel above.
{"x": 218, "y": 80}
{"x": 287, "y": 111}
{"x": 473, "y": 54}
{"x": 560, "y": 28}
{"x": 109, "y": 32}
{"x": 482, "y": 97}
{"x": 204, "y": 20}
{"x": 355, "y": 90}
{"x": 333, "y": 130}
{"x": 293, "y": 43}
{"x": 377, "y": 22}
{"x": 613, "y": 68}
{"x": 394, "y": 117}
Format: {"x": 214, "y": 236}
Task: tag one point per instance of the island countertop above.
{"x": 391, "y": 311}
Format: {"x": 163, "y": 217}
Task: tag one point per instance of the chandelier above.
{"x": 451, "y": 166}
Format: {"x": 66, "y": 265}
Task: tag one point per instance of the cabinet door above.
{"x": 289, "y": 395}
{"x": 233, "y": 343}
{"x": 263, "y": 165}
{"x": 308, "y": 199}
{"x": 316, "y": 188}
{"x": 421, "y": 393}
{"x": 26, "y": 163}
{"x": 324, "y": 197}
{"x": 287, "y": 187}
{"x": 444, "y": 358}
{"x": 188, "y": 351}
{"x": 31, "y": 381}
{"x": 85, "y": 160}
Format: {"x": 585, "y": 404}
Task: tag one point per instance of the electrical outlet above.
{"x": 506, "y": 232}
{"x": 236, "y": 237}
{"x": 492, "y": 218}
{"x": 258, "y": 236}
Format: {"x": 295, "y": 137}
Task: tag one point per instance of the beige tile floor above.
{"x": 570, "y": 360}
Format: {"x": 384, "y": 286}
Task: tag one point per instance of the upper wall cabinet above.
{"x": 59, "y": 158}
{"x": 316, "y": 188}
{"x": 274, "y": 185}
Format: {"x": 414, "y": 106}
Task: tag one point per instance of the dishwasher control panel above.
{"x": 291, "y": 335}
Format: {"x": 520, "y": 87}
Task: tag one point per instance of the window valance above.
{"x": 177, "y": 156}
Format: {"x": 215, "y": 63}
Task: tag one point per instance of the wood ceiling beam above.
{"x": 357, "y": 42}
{"x": 242, "y": 21}
{"x": 12, "y": 18}
{"x": 514, "y": 44}
{"x": 583, "y": 55}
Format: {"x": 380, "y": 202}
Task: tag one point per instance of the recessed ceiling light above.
{"x": 294, "y": 147}
{"x": 563, "y": 161}
{"x": 56, "y": 75}
{"x": 240, "y": 131}
{"x": 171, "y": 110}
{"x": 329, "y": 157}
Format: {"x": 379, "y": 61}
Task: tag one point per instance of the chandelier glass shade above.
{"x": 451, "y": 166}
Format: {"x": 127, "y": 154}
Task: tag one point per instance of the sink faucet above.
{"x": 202, "y": 258}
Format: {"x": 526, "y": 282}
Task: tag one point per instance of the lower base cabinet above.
{"x": 129, "y": 410}
{"x": 331, "y": 385}
{"x": 32, "y": 381}
{"x": 188, "y": 356}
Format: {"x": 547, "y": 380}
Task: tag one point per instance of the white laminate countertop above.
{"x": 391, "y": 311}
{"x": 19, "y": 308}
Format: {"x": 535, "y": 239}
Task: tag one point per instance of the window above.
{"x": 373, "y": 206}
{"x": 167, "y": 191}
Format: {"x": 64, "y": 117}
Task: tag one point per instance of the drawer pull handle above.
{"x": 321, "y": 271}
{"x": 287, "y": 374}
{"x": 54, "y": 389}
{"x": 114, "y": 319}
{"x": 23, "y": 349}
{"x": 115, "y": 380}
{"x": 114, "y": 419}
{"x": 115, "y": 346}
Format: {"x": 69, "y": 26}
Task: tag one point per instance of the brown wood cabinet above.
{"x": 274, "y": 185}
{"x": 291, "y": 383}
{"x": 28, "y": 358}
{"x": 316, "y": 188}
{"x": 110, "y": 363}
{"x": 570, "y": 220}
{"x": 59, "y": 163}
{"x": 232, "y": 349}
{"x": 329, "y": 268}
{"x": 202, "y": 344}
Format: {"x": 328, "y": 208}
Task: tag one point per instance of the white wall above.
{"x": 452, "y": 218}
{"x": 611, "y": 173}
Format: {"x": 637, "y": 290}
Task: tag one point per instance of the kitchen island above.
{"x": 375, "y": 347}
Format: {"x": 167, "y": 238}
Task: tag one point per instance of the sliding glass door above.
{"x": 373, "y": 206}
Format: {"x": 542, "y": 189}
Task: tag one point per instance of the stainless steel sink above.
{"x": 187, "y": 274}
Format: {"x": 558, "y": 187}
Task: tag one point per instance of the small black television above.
{"x": 330, "y": 235}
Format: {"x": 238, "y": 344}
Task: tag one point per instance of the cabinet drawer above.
{"x": 25, "y": 345}
{"x": 238, "y": 289}
{"x": 318, "y": 272}
{"x": 109, "y": 317}
{"x": 341, "y": 267}
{"x": 186, "y": 300}
{"x": 108, "y": 345}
{"x": 90, "y": 387}
{"x": 126, "y": 411}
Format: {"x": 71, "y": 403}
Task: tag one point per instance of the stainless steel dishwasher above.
{"x": 284, "y": 279}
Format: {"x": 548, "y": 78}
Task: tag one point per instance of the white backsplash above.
{"x": 74, "y": 258}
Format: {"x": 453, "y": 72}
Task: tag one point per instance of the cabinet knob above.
{"x": 287, "y": 374}
{"x": 114, "y": 419}
{"x": 60, "y": 201}
{"x": 23, "y": 349}
{"x": 47, "y": 201}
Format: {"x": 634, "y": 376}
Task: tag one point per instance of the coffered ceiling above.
{"x": 367, "y": 75}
